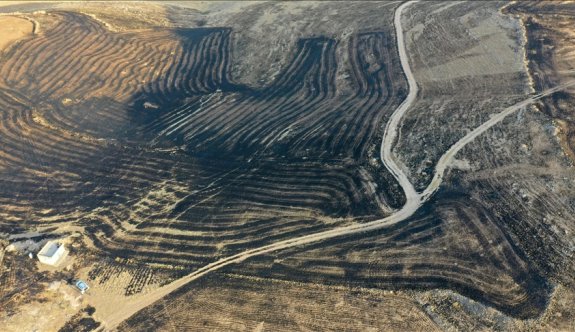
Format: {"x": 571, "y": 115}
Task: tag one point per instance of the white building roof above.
{"x": 49, "y": 249}
{"x": 52, "y": 253}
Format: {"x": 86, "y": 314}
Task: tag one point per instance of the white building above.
{"x": 52, "y": 253}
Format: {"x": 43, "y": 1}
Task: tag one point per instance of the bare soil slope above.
{"x": 12, "y": 29}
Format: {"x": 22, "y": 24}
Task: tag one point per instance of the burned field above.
{"x": 163, "y": 150}
{"x": 238, "y": 303}
{"x": 548, "y": 28}
{"x": 190, "y": 164}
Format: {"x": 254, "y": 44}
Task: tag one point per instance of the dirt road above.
{"x": 413, "y": 199}
{"x": 447, "y": 158}
{"x": 394, "y": 123}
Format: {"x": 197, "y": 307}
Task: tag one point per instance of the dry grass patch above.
{"x": 12, "y": 29}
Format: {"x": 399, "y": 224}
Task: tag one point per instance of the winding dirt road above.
{"x": 394, "y": 123}
{"x": 447, "y": 157}
{"x": 414, "y": 200}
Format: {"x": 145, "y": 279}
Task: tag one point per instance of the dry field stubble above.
{"x": 468, "y": 62}
{"x": 237, "y": 303}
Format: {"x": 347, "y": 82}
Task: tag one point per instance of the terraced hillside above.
{"x": 273, "y": 305}
{"x": 462, "y": 239}
{"x": 190, "y": 165}
{"x": 383, "y": 169}
{"x": 450, "y": 245}
{"x": 481, "y": 235}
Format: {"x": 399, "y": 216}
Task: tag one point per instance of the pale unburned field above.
{"x": 52, "y": 308}
{"x": 12, "y": 29}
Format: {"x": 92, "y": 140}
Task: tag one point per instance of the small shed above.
{"x": 51, "y": 253}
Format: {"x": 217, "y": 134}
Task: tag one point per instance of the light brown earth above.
{"x": 50, "y": 310}
{"x": 11, "y": 3}
{"x": 13, "y": 29}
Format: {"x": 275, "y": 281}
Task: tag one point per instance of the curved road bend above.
{"x": 390, "y": 133}
{"x": 413, "y": 199}
{"x": 448, "y": 155}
